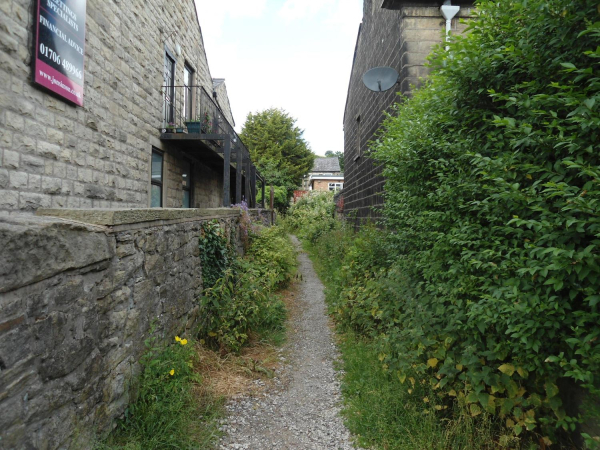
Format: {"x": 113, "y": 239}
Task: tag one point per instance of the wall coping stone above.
{"x": 127, "y": 216}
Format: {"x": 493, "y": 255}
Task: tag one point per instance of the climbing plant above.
{"x": 215, "y": 252}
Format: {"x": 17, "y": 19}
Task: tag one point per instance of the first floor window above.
{"x": 336, "y": 186}
{"x": 188, "y": 81}
{"x": 186, "y": 184}
{"x": 156, "y": 180}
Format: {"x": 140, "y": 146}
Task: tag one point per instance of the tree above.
{"x": 277, "y": 148}
{"x": 339, "y": 155}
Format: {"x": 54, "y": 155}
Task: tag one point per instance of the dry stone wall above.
{"x": 77, "y": 301}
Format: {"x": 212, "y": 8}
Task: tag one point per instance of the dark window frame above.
{"x": 169, "y": 89}
{"x": 190, "y": 183}
{"x": 188, "y": 91}
{"x": 160, "y": 183}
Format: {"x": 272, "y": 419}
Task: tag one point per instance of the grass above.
{"x": 381, "y": 413}
{"x": 378, "y": 409}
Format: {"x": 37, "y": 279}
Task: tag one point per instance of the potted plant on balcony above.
{"x": 193, "y": 126}
{"x": 169, "y": 128}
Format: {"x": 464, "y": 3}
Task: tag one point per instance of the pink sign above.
{"x": 60, "y": 47}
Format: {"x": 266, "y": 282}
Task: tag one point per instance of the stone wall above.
{"x": 400, "y": 38}
{"x": 53, "y": 154}
{"x": 78, "y": 295}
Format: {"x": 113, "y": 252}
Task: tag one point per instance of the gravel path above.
{"x": 300, "y": 410}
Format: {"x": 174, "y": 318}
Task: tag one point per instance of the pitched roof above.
{"x": 326, "y": 165}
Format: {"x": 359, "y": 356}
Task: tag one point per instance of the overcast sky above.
{"x": 289, "y": 54}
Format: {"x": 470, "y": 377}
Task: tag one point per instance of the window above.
{"x": 169, "y": 89}
{"x": 336, "y": 186}
{"x": 188, "y": 83}
{"x": 186, "y": 184}
{"x": 156, "y": 180}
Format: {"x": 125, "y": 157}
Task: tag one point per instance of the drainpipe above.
{"x": 449, "y": 11}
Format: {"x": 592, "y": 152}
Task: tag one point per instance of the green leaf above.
{"x": 508, "y": 369}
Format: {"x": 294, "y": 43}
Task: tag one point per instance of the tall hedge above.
{"x": 492, "y": 190}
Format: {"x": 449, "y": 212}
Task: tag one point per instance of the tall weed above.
{"x": 244, "y": 300}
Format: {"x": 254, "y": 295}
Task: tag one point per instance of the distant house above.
{"x": 398, "y": 34}
{"x": 325, "y": 175}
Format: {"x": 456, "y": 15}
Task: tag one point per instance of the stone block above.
{"x": 35, "y": 248}
{"x": 51, "y": 185}
{"x": 48, "y": 150}
{"x": 11, "y": 159}
{"x": 32, "y": 164}
{"x": 18, "y": 180}
{"x": 4, "y": 177}
{"x": 9, "y": 199}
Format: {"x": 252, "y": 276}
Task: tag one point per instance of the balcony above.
{"x": 210, "y": 138}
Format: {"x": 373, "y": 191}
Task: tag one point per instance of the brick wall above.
{"x": 400, "y": 38}
{"x": 53, "y": 154}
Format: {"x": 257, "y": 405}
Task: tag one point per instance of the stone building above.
{"x": 325, "y": 175}
{"x": 144, "y": 66}
{"x": 398, "y": 34}
{"x": 86, "y": 144}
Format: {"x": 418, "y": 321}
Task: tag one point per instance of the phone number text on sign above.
{"x": 55, "y": 58}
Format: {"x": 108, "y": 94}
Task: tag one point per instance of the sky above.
{"x": 294, "y": 55}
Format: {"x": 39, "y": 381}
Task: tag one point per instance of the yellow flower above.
{"x": 177, "y": 338}
{"x": 172, "y": 372}
{"x": 183, "y": 341}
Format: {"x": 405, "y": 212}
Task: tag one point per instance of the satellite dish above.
{"x": 380, "y": 79}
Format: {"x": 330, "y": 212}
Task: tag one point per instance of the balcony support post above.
{"x": 227, "y": 172}
{"x": 239, "y": 164}
{"x": 252, "y": 186}
{"x": 247, "y": 180}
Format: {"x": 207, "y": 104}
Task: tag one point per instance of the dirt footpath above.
{"x": 300, "y": 410}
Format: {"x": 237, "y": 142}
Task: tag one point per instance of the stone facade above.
{"x": 77, "y": 301}
{"x": 54, "y": 154}
{"x": 399, "y": 34}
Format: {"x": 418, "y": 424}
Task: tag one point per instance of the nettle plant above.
{"x": 492, "y": 190}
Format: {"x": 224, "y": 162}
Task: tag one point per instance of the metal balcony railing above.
{"x": 185, "y": 104}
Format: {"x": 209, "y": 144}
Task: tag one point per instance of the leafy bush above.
{"x": 243, "y": 301}
{"x": 312, "y": 215}
{"x": 492, "y": 190}
{"x": 281, "y": 197}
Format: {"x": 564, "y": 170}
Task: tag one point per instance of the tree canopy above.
{"x": 277, "y": 147}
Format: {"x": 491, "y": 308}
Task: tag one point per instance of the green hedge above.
{"x": 492, "y": 188}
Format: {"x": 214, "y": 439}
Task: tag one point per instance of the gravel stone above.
{"x": 300, "y": 409}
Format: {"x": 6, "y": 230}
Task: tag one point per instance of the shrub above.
{"x": 312, "y": 215}
{"x": 492, "y": 190}
{"x": 243, "y": 300}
